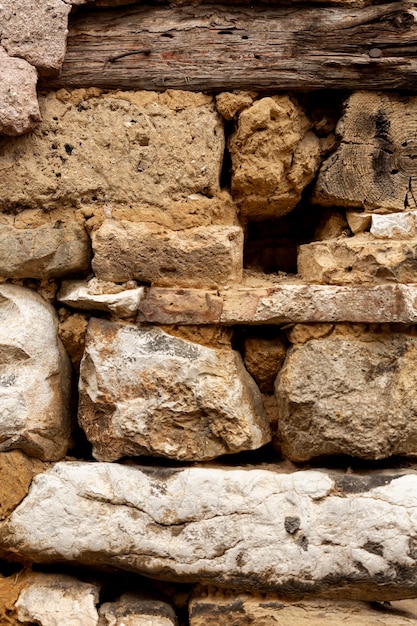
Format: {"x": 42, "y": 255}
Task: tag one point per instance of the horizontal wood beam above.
{"x": 216, "y": 47}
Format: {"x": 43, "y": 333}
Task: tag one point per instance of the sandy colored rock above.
{"x": 308, "y": 532}
{"x": 274, "y": 156}
{"x": 81, "y": 294}
{"x": 49, "y": 251}
{"x": 143, "y": 391}
{"x": 230, "y": 103}
{"x": 134, "y": 148}
{"x": 301, "y": 333}
{"x": 358, "y": 222}
{"x": 374, "y": 166}
{"x": 57, "y": 599}
{"x": 358, "y": 260}
{"x": 332, "y": 224}
{"x": 72, "y": 330}
{"x": 16, "y": 473}
{"x": 207, "y": 256}
{"x": 19, "y": 109}
{"x": 34, "y": 376}
{"x": 263, "y": 359}
{"x": 213, "y": 608}
{"x": 136, "y": 610}
{"x": 356, "y": 397}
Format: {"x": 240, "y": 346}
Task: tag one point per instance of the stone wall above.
{"x": 208, "y": 356}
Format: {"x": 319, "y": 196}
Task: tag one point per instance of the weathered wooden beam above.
{"x": 213, "y": 47}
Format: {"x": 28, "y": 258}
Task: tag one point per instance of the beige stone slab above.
{"x": 281, "y": 304}
{"x": 358, "y": 260}
{"x": 83, "y": 295}
{"x": 137, "y": 610}
{"x": 19, "y": 109}
{"x": 208, "y": 256}
{"x": 308, "y": 532}
{"x": 216, "y": 607}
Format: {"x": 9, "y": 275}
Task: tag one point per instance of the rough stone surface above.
{"x": 274, "y": 156}
{"x": 374, "y": 165}
{"x": 230, "y": 103}
{"x": 72, "y": 330}
{"x": 356, "y": 397}
{"x": 16, "y": 473}
{"x": 304, "y": 532}
{"x": 281, "y": 304}
{"x": 358, "y": 222}
{"x": 35, "y": 31}
{"x": 143, "y": 391}
{"x": 137, "y": 148}
{"x": 213, "y": 608}
{"x": 56, "y": 599}
{"x": 48, "y": 251}
{"x": 207, "y": 256}
{"x": 81, "y": 294}
{"x": 135, "y": 610}
{"x": 358, "y": 260}
{"x": 34, "y": 376}
{"x": 19, "y": 109}
{"x": 263, "y": 359}
{"x": 394, "y": 226}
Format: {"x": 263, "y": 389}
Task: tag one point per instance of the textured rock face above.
{"x": 263, "y": 359}
{"x": 48, "y": 251}
{"x": 127, "y": 147}
{"x": 55, "y": 599}
{"x": 92, "y": 295}
{"x": 297, "y": 533}
{"x": 374, "y": 166}
{"x": 143, "y": 391}
{"x": 274, "y": 156}
{"x": 213, "y": 608}
{"x": 358, "y": 260}
{"x": 34, "y": 377}
{"x": 357, "y": 396}
{"x": 206, "y": 256}
{"x": 16, "y": 473}
{"x": 19, "y": 109}
{"x": 132, "y": 610}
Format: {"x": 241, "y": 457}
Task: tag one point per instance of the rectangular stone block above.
{"x": 208, "y": 256}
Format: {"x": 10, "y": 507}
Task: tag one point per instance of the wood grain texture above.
{"x": 215, "y": 47}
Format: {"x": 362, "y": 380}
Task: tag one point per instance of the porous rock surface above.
{"x": 34, "y": 376}
{"x": 294, "y": 533}
{"x": 374, "y": 165}
{"x": 207, "y": 256}
{"x": 132, "y": 148}
{"x": 46, "y": 251}
{"x": 100, "y": 296}
{"x": 357, "y": 396}
{"x": 57, "y": 599}
{"x": 19, "y": 109}
{"x": 136, "y": 610}
{"x": 274, "y": 155}
{"x": 216, "y": 607}
{"x": 143, "y": 391}
{"x": 358, "y": 260}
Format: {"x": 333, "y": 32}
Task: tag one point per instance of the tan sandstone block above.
{"x": 358, "y": 260}
{"x": 216, "y": 607}
{"x": 207, "y": 256}
{"x": 131, "y": 148}
{"x": 263, "y": 359}
{"x": 137, "y": 610}
{"x": 274, "y": 156}
{"x": 144, "y": 391}
{"x": 356, "y": 398}
{"x": 374, "y": 166}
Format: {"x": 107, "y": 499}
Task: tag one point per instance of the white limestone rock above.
{"x": 58, "y": 600}
{"x": 143, "y": 391}
{"x": 394, "y": 226}
{"x": 308, "y": 532}
{"x": 81, "y": 294}
{"x": 134, "y": 610}
{"x": 34, "y": 376}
